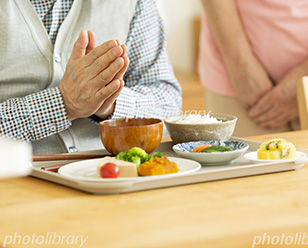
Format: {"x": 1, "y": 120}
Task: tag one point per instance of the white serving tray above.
{"x": 240, "y": 167}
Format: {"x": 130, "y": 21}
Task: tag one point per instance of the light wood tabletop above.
{"x": 241, "y": 212}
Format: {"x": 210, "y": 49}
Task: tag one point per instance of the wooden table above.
{"x": 228, "y": 213}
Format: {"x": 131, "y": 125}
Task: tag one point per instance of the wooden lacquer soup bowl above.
{"x": 119, "y": 135}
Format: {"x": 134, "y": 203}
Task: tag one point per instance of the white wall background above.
{"x": 179, "y": 18}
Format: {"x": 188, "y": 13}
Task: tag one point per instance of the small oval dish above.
{"x": 213, "y": 158}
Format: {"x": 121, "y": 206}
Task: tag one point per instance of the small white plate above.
{"x": 213, "y": 158}
{"x": 253, "y": 157}
{"x": 86, "y": 171}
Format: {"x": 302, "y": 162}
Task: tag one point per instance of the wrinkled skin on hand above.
{"x": 93, "y": 77}
{"x": 250, "y": 81}
{"x": 279, "y": 105}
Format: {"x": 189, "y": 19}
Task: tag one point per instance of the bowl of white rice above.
{"x": 200, "y": 127}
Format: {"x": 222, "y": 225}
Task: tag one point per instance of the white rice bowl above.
{"x": 185, "y": 128}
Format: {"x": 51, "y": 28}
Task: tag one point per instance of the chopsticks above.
{"x": 55, "y": 168}
{"x": 65, "y": 157}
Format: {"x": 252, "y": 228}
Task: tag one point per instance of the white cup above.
{"x": 15, "y": 158}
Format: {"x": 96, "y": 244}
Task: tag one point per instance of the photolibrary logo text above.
{"x": 300, "y": 238}
{"x": 51, "y": 238}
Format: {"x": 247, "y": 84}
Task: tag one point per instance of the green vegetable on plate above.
{"x": 217, "y": 149}
{"x": 137, "y": 156}
{"x": 156, "y": 155}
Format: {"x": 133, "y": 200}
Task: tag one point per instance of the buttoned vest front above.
{"x": 29, "y": 62}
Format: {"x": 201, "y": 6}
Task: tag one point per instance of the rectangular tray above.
{"x": 240, "y": 167}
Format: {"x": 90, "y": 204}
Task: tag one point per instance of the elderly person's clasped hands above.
{"x": 93, "y": 77}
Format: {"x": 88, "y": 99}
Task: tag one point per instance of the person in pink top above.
{"x": 252, "y": 54}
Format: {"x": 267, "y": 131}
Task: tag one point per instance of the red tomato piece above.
{"x": 110, "y": 170}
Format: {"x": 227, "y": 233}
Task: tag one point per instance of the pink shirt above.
{"x": 278, "y": 32}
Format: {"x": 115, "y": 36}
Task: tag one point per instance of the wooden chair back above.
{"x": 302, "y": 100}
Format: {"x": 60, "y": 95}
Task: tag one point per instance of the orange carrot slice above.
{"x": 200, "y": 148}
